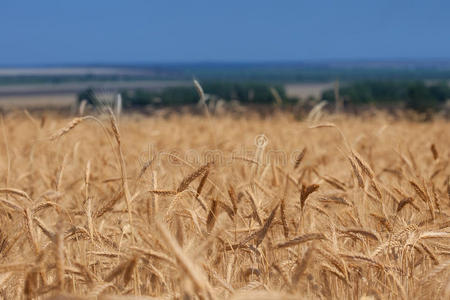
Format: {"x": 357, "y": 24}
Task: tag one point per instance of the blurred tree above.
{"x": 88, "y": 95}
{"x": 420, "y": 98}
{"x": 416, "y": 95}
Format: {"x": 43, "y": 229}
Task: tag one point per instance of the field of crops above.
{"x": 219, "y": 207}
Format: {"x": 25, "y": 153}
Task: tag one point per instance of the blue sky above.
{"x": 100, "y": 31}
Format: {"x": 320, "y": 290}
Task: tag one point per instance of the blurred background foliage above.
{"x": 417, "y": 95}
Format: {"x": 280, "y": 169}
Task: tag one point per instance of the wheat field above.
{"x": 224, "y": 207}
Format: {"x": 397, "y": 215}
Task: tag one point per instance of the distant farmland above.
{"x": 40, "y": 86}
{"x": 64, "y": 94}
{"x": 58, "y": 87}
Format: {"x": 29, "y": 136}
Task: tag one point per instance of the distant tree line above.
{"x": 416, "y": 95}
{"x": 244, "y": 92}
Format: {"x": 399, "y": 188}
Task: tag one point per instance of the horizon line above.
{"x": 293, "y": 62}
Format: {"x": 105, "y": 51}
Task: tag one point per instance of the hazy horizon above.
{"x": 212, "y": 63}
